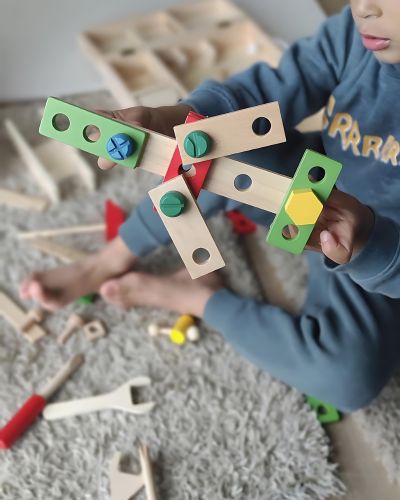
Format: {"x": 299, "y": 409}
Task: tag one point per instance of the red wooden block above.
{"x": 241, "y": 224}
{"x": 114, "y": 217}
{"x": 174, "y": 169}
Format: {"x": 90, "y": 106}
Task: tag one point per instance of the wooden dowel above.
{"x": 44, "y": 233}
{"x": 147, "y": 473}
{"x": 64, "y": 373}
{"x": 21, "y": 200}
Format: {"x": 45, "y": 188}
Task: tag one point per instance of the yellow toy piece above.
{"x": 303, "y": 207}
{"x": 178, "y": 332}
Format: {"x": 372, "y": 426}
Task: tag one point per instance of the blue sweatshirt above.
{"x": 345, "y": 344}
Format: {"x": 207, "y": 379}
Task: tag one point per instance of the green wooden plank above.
{"x": 79, "y": 119}
{"x": 321, "y": 188}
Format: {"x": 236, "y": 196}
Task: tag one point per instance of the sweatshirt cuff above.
{"x": 210, "y": 99}
{"x": 377, "y": 255}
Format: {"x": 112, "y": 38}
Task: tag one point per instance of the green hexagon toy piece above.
{"x": 303, "y": 207}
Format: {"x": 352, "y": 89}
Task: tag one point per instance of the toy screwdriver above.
{"x": 33, "y": 407}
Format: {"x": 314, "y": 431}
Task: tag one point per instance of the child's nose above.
{"x": 366, "y": 8}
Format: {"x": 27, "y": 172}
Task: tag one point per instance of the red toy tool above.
{"x": 33, "y": 407}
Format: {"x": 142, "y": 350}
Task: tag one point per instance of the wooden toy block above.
{"x": 301, "y": 180}
{"x": 197, "y": 248}
{"x": 34, "y": 406}
{"x": 120, "y": 399}
{"x": 20, "y": 200}
{"x": 10, "y": 311}
{"x": 33, "y": 317}
{"x": 63, "y": 252}
{"x": 231, "y": 133}
{"x": 242, "y": 225}
{"x": 124, "y": 486}
{"x": 51, "y": 162}
{"x": 303, "y": 207}
{"x": 326, "y": 413}
{"x": 73, "y": 324}
{"x": 115, "y": 217}
{"x": 94, "y": 330}
{"x": 79, "y": 123}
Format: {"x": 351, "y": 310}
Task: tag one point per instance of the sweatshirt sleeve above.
{"x": 308, "y": 73}
{"x": 377, "y": 267}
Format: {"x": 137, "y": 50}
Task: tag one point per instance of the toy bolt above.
{"x": 74, "y": 322}
{"x": 120, "y": 146}
{"x": 197, "y": 144}
{"x": 172, "y": 203}
{"x": 33, "y": 317}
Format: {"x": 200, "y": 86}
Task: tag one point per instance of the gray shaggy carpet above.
{"x": 221, "y": 429}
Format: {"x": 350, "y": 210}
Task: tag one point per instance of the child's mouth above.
{"x": 374, "y": 43}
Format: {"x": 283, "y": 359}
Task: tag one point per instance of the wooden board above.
{"x": 63, "y": 252}
{"x": 10, "y": 311}
{"x": 186, "y": 239}
{"x": 233, "y": 132}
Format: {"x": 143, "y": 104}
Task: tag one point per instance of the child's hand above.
{"x": 343, "y": 227}
{"x": 162, "y": 120}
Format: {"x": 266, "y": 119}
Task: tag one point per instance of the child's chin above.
{"x": 388, "y": 56}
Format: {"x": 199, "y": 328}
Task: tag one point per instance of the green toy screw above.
{"x": 172, "y": 203}
{"x": 197, "y": 144}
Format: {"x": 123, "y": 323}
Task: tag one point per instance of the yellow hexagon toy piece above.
{"x": 303, "y": 207}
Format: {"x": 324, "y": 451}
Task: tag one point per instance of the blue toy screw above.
{"x": 120, "y": 146}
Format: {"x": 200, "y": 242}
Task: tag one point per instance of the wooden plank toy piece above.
{"x": 21, "y": 200}
{"x": 10, "y": 311}
{"x": 302, "y": 182}
{"x": 118, "y": 142}
{"x": 147, "y": 473}
{"x": 188, "y": 230}
{"x": 266, "y": 189}
{"x": 230, "y": 133}
{"x": 63, "y": 252}
{"x": 124, "y": 486}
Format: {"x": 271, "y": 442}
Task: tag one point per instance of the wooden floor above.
{"x": 361, "y": 471}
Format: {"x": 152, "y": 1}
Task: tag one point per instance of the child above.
{"x": 345, "y": 343}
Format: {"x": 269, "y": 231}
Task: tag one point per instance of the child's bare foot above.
{"x": 175, "y": 292}
{"x": 57, "y": 287}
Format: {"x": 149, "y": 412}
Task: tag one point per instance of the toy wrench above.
{"x": 120, "y": 399}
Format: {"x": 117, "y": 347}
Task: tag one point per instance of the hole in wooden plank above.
{"x": 128, "y": 51}
{"x": 91, "y": 133}
{"x": 316, "y": 174}
{"x": 187, "y": 170}
{"x": 61, "y": 122}
{"x": 290, "y": 232}
{"x": 242, "y": 182}
{"x": 261, "y": 126}
{"x": 201, "y": 256}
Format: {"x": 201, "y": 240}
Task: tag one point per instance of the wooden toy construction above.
{"x": 204, "y": 143}
{"x": 158, "y": 58}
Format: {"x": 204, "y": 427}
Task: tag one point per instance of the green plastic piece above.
{"x": 172, "y": 203}
{"x": 87, "y": 299}
{"x": 197, "y": 144}
{"x": 79, "y": 122}
{"x": 326, "y": 413}
{"x": 322, "y": 190}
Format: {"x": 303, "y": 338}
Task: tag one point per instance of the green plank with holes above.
{"x": 301, "y": 180}
{"x": 79, "y": 121}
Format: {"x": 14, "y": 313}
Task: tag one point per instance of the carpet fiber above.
{"x": 221, "y": 429}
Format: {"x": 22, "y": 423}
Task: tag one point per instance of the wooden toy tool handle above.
{"x": 20, "y": 422}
